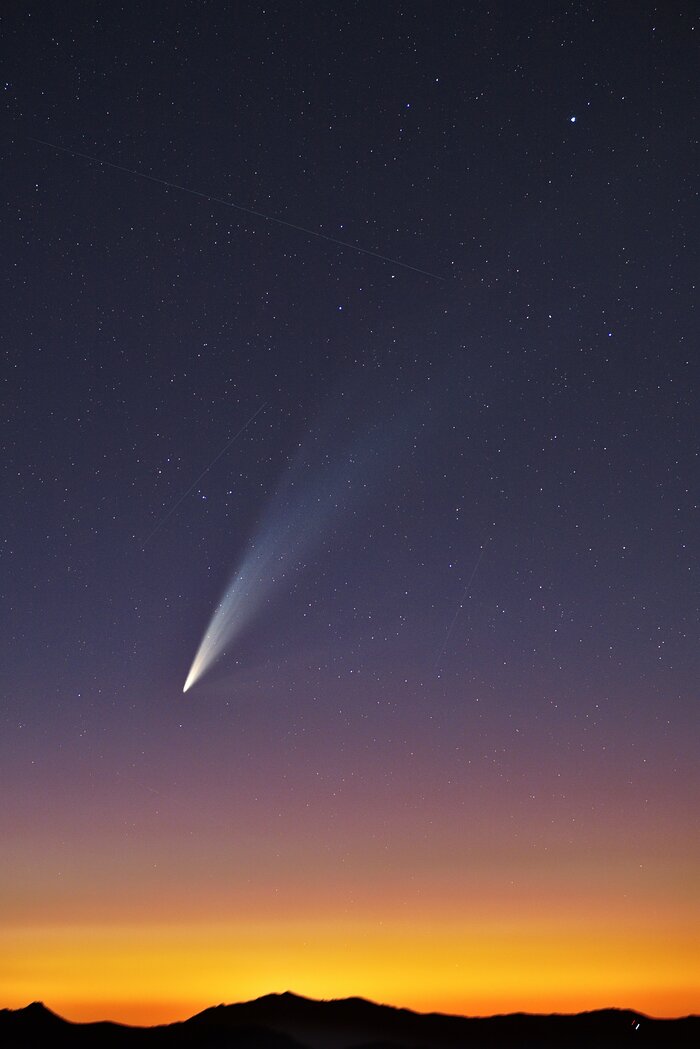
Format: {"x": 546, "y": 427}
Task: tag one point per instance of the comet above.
{"x": 317, "y": 489}
{"x": 274, "y": 555}
{"x": 264, "y": 567}
{"x": 308, "y": 497}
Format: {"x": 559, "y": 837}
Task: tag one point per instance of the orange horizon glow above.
{"x": 466, "y": 923}
{"x": 147, "y": 975}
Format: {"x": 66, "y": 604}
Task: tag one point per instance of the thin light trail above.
{"x": 459, "y": 609}
{"x": 206, "y": 470}
{"x": 238, "y": 207}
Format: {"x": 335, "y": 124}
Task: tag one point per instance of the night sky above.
{"x": 422, "y": 421}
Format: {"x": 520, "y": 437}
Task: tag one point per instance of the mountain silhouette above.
{"x": 288, "y": 1021}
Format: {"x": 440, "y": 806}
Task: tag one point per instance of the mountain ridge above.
{"x": 290, "y": 1021}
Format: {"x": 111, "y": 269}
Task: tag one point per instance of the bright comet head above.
{"x": 242, "y": 599}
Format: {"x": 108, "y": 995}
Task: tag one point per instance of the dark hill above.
{"x": 287, "y": 1021}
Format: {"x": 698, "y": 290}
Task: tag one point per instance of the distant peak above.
{"x": 283, "y": 996}
{"x": 35, "y": 1011}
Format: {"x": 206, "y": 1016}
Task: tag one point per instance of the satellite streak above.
{"x": 206, "y": 470}
{"x": 238, "y": 207}
{"x": 459, "y": 609}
